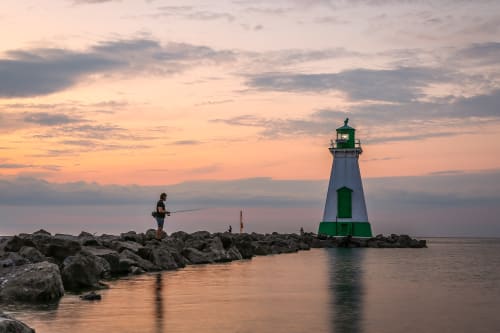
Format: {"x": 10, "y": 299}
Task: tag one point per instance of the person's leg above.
{"x": 160, "y": 222}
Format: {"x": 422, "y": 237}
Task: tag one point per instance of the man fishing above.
{"x": 160, "y": 214}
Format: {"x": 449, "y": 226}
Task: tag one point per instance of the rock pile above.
{"x": 9, "y": 324}
{"x": 39, "y": 267}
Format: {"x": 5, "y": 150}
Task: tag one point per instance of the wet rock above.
{"x": 92, "y": 296}
{"x": 136, "y": 270}
{"x": 9, "y": 324}
{"x": 161, "y": 257}
{"x": 38, "y": 282}
{"x": 111, "y": 256}
{"x": 138, "y": 261}
{"x": 195, "y": 256}
{"x": 244, "y": 245}
{"x": 81, "y": 271}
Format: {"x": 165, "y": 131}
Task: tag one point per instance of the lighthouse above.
{"x": 345, "y": 209}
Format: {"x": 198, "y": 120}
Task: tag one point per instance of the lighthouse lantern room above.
{"x": 345, "y": 209}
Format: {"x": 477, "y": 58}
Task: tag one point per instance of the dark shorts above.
{"x": 160, "y": 221}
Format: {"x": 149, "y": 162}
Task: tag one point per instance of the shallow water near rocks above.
{"x": 452, "y": 286}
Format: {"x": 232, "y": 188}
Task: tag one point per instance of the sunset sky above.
{"x": 230, "y": 105}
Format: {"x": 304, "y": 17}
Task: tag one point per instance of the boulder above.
{"x": 80, "y": 272}
{"x": 43, "y": 232}
{"x": 14, "y": 244}
{"x": 12, "y": 259}
{"x": 180, "y": 235}
{"x": 32, "y": 254}
{"x": 138, "y": 260}
{"x": 105, "y": 240}
{"x": 244, "y": 245}
{"x": 9, "y": 324}
{"x": 125, "y": 265}
{"x": 125, "y": 245}
{"x": 161, "y": 257}
{"x": 234, "y": 254}
{"x": 136, "y": 270}
{"x": 88, "y": 239}
{"x": 111, "y": 256}
{"x": 59, "y": 246}
{"x": 38, "y": 282}
{"x": 133, "y": 237}
{"x": 92, "y": 296}
{"x": 195, "y": 256}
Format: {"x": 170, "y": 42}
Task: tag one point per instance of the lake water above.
{"x": 452, "y": 286}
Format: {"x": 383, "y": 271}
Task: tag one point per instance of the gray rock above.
{"x": 42, "y": 231}
{"x": 14, "y": 244}
{"x": 195, "y": 256}
{"x": 31, "y": 283}
{"x": 59, "y": 246}
{"x": 32, "y": 254}
{"x": 80, "y": 271}
{"x": 125, "y": 264}
{"x": 133, "y": 237}
{"x": 136, "y": 270}
{"x": 161, "y": 257}
{"x": 138, "y": 260}
{"x": 92, "y": 296}
{"x": 12, "y": 259}
{"x": 9, "y": 324}
{"x": 111, "y": 256}
{"x": 183, "y": 236}
{"x": 244, "y": 245}
{"x": 125, "y": 245}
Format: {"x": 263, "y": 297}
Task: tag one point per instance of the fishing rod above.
{"x": 186, "y": 210}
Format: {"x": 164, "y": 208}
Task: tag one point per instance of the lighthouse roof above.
{"x": 345, "y": 127}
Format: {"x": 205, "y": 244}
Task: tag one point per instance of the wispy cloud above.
{"x": 392, "y": 85}
{"x": 414, "y": 120}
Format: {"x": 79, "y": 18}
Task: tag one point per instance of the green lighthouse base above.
{"x": 355, "y": 229}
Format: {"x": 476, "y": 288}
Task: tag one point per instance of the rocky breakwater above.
{"x": 40, "y": 267}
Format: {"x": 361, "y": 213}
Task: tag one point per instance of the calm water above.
{"x": 453, "y": 286}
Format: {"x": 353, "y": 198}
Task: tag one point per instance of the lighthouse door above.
{"x": 344, "y": 202}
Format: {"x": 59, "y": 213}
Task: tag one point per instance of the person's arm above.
{"x": 162, "y": 210}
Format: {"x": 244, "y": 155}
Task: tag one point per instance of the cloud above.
{"x": 481, "y": 54}
{"x": 414, "y": 120}
{"x": 93, "y": 1}
{"x": 14, "y": 166}
{"x": 33, "y": 72}
{"x": 190, "y": 13}
{"x": 187, "y": 142}
{"x": 251, "y": 192}
{"x": 392, "y": 85}
{"x": 47, "y": 119}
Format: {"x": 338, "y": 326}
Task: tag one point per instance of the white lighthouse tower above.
{"x": 345, "y": 208}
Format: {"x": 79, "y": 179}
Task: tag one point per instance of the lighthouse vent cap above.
{"x": 345, "y": 127}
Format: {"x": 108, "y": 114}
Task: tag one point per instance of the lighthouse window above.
{"x": 344, "y": 136}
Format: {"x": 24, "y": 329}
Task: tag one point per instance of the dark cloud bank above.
{"x": 446, "y": 204}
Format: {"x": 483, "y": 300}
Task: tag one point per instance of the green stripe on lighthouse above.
{"x": 340, "y": 229}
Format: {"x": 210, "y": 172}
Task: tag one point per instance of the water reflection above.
{"x": 158, "y": 315}
{"x": 346, "y": 290}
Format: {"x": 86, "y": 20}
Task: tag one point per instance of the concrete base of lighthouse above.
{"x": 340, "y": 229}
